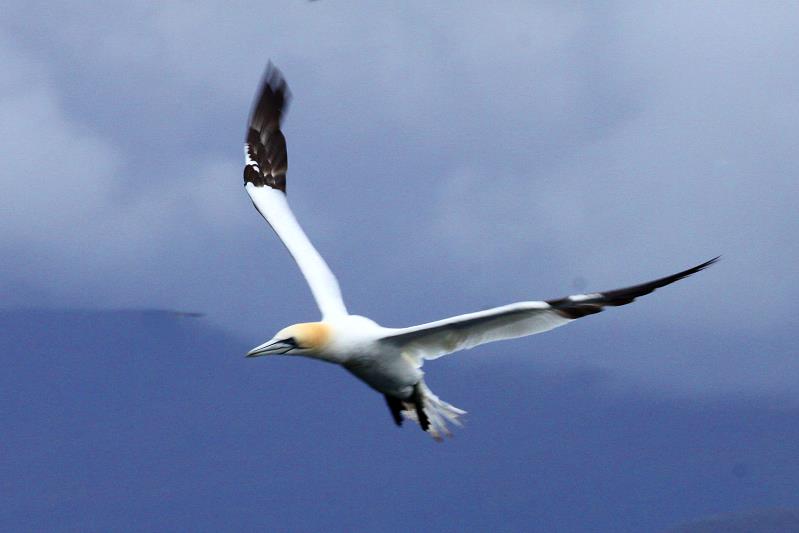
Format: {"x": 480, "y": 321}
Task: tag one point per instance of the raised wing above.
{"x": 432, "y": 340}
{"x": 266, "y": 163}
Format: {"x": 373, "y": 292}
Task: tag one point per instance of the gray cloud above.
{"x": 473, "y": 154}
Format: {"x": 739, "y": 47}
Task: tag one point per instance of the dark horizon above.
{"x": 144, "y": 420}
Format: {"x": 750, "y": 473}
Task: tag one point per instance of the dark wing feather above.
{"x": 267, "y": 159}
{"x": 582, "y": 305}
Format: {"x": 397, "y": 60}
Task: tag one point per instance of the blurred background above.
{"x": 443, "y": 159}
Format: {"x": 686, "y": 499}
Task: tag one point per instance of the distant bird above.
{"x": 388, "y": 359}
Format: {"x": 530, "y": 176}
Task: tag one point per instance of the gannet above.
{"x": 388, "y": 359}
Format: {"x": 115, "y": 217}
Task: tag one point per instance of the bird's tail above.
{"x": 435, "y": 415}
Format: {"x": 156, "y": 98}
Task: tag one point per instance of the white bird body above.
{"x": 383, "y": 367}
{"x": 354, "y": 342}
{"x": 387, "y": 359}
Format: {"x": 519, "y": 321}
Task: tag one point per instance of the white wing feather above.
{"x": 432, "y": 340}
{"x": 265, "y": 167}
{"x": 274, "y": 207}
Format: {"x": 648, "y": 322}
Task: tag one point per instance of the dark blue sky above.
{"x": 443, "y": 159}
{"x": 150, "y": 421}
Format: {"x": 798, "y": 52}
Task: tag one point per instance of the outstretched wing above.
{"x": 266, "y": 163}
{"x": 432, "y": 340}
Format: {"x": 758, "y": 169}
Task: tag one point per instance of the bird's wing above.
{"x": 266, "y": 163}
{"x": 432, "y": 340}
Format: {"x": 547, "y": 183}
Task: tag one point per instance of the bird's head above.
{"x": 300, "y": 339}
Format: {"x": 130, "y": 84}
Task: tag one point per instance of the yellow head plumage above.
{"x": 310, "y": 336}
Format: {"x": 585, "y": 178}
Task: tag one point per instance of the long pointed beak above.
{"x": 272, "y": 347}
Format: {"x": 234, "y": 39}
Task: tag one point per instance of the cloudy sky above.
{"x": 443, "y": 159}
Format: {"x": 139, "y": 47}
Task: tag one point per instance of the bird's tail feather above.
{"x": 439, "y": 413}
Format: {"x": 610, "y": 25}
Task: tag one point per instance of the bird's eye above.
{"x": 291, "y": 341}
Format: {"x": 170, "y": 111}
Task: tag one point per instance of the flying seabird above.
{"x": 388, "y": 359}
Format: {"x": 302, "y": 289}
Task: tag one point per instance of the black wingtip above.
{"x": 573, "y": 307}
{"x": 703, "y": 266}
{"x": 646, "y": 288}
{"x": 688, "y": 272}
{"x": 267, "y": 157}
{"x": 272, "y": 101}
{"x": 662, "y": 282}
{"x": 708, "y": 263}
